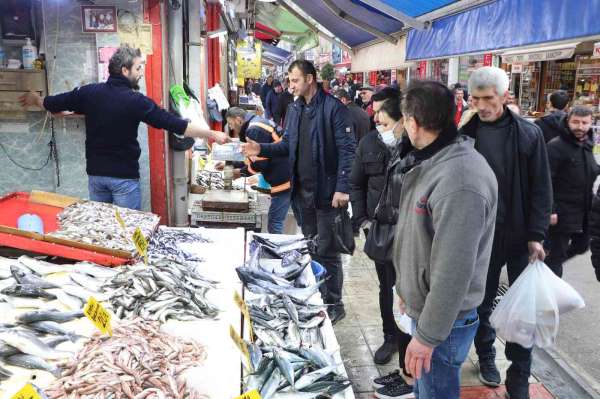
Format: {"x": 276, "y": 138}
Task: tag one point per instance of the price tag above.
{"x": 244, "y": 308}
{"x": 98, "y": 315}
{"x": 119, "y": 219}
{"x": 239, "y": 342}
{"x": 30, "y": 392}
{"x": 141, "y": 244}
{"x": 253, "y": 394}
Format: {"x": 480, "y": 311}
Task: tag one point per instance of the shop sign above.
{"x": 487, "y": 59}
{"x": 596, "y": 52}
{"x": 27, "y": 392}
{"x": 539, "y": 56}
{"x": 516, "y": 68}
{"x": 249, "y": 59}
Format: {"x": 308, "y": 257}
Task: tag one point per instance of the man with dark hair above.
{"x": 266, "y": 88}
{"x": 285, "y": 99}
{"x": 276, "y": 170}
{"x": 272, "y": 101}
{"x": 113, "y": 111}
{"x": 361, "y": 124}
{"x": 516, "y": 152}
{"x": 574, "y": 171}
{"x": 443, "y": 240}
{"x": 551, "y": 124}
{"x": 320, "y": 145}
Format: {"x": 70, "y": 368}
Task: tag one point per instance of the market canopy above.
{"x": 275, "y": 54}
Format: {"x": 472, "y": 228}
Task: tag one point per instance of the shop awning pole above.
{"x": 359, "y": 24}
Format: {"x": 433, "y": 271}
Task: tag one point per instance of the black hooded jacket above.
{"x": 573, "y": 170}
{"x": 551, "y": 124}
{"x": 528, "y": 195}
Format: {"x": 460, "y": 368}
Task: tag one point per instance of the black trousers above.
{"x": 563, "y": 246}
{"x": 316, "y": 224}
{"x": 515, "y": 257}
{"x": 386, "y": 274}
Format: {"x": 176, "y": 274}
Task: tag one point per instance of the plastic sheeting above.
{"x": 504, "y": 24}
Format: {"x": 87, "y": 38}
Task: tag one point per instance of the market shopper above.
{"x": 443, "y": 240}
{"x": 551, "y": 124}
{"x": 516, "y": 152}
{"x": 275, "y": 170}
{"x": 361, "y": 123}
{"x": 367, "y": 182}
{"x": 460, "y": 103}
{"x": 272, "y": 101}
{"x": 319, "y": 142}
{"x": 265, "y": 89}
{"x": 113, "y": 111}
{"x": 285, "y": 99}
{"x": 366, "y": 92}
{"x": 574, "y": 170}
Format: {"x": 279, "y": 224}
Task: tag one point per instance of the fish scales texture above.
{"x": 165, "y": 244}
{"x": 95, "y": 223}
{"x": 137, "y": 361}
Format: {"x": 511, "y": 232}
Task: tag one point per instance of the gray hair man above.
{"x": 516, "y": 152}
{"x": 113, "y": 111}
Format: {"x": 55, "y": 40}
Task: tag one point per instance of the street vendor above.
{"x": 113, "y": 112}
{"x": 276, "y": 170}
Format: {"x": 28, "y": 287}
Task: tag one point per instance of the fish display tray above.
{"x": 47, "y": 206}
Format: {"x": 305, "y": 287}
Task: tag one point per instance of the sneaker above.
{"x": 392, "y": 377}
{"x": 336, "y": 313}
{"x": 489, "y": 374}
{"x": 385, "y": 352}
{"x": 395, "y": 390}
{"x": 517, "y": 388}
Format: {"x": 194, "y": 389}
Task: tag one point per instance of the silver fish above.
{"x": 26, "y": 278}
{"x": 272, "y": 384}
{"x": 284, "y": 365}
{"x": 83, "y": 293}
{"x": 33, "y": 362}
{"x": 70, "y": 301}
{"x": 40, "y": 267}
{"x": 308, "y": 379}
{"x": 49, "y": 315}
{"x": 28, "y": 343}
{"x": 27, "y": 291}
{"x": 91, "y": 283}
{"x": 52, "y": 327}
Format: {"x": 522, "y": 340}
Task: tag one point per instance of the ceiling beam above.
{"x": 359, "y": 24}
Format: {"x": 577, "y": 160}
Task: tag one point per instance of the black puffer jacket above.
{"x": 573, "y": 169}
{"x": 594, "y": 229}
{"x": 551, "y": 124}
{"x": 368, "y": 177}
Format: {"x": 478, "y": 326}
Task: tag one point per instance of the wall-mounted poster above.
{"x": 98, "y": 19}
{"x": 249, "y": 59}
{"x": 104, "y": 54}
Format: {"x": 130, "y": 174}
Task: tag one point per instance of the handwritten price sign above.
{"x": 253, "y": 394}
{"x": 98, "y": 315}
{"x": 27, "y": 392}
{"x": 141, "y": 244}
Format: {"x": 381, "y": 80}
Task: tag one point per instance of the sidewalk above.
{"x": 359, "y": 336}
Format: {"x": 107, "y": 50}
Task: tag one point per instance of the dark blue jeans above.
{"x": 515, "y": 257}
{"x": 443, "y": 379}
{"x": 121, "y": 192}
{"x": 278, "y": 211}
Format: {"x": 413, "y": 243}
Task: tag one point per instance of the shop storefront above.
{"x": 383, "y": 63}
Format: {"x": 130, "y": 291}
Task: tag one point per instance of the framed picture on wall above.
{"x": 99, "y": 19}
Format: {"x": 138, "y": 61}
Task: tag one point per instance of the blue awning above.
{"x": 411, "y": 8}
{"x": 276, "y": 54}
{"x": 505, "y": 24}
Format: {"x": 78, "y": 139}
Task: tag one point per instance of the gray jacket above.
{"x": 444, "y": 238}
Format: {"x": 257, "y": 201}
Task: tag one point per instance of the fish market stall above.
{"x": 292, "y": 349}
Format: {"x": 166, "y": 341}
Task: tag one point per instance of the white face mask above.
{"x": 388, "y": 136}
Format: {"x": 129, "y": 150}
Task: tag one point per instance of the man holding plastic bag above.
{"x": 443, "y": 240}
{"x": 516, "y": 152}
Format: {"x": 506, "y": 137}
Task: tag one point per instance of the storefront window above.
{"x": 466, "y": 66}
{"x": 587, "y": 87}
{"x": 438, "y": 70}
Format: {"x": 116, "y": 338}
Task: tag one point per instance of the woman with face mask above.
{"x": 368, "y": 182}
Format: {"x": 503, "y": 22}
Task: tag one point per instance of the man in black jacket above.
{"x": 285, "y": 99}
{"x": 113, "y": 111}
{"x": 367, "y": 182}
{"x": 551, "y": 123}
{"x": 319, "y": 142}
{"x": 361, "y": 123}
{"x": 276, "y": 170}
{"x": 265, "y": 90}
{"x": 516, "y": 152}
{"x": 574, "y": 171}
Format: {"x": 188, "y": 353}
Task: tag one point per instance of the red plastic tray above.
{"x": 15, "y": 204}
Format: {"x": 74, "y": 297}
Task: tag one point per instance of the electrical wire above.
{"x": 27, "y": 167}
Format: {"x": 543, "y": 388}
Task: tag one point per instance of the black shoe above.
{"x": 392, "y": 377}
{"x": 385, "y": 352}
{"x": 395, "y": 390}
{"x": 517, "y": 388}
{"x": 336, "y": 313}
{"x": 489, "y": 374}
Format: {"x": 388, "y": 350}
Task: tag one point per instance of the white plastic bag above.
{"x": 528, "y": 313}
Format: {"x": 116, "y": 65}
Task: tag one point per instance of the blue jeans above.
{"x": 121, "y": 192}
{"x": 443, "y": 379}
{"x": 278, "y": 211}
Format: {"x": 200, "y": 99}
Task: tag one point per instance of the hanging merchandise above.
{"x": 249, "y": 59}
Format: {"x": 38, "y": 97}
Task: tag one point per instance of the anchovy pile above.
{"x": 164, "y": 290}
{"x": 294, "y": 373}
{"x": 95, "y": 223}
{"x": 137, "y": 361}
{"x": 164, "y": 244}
{"x": 210, "y": 179}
